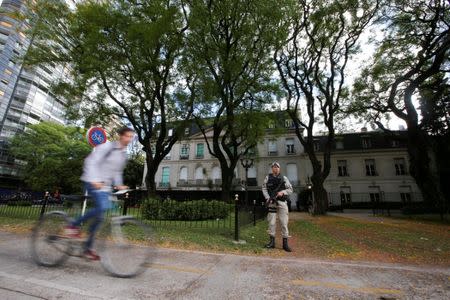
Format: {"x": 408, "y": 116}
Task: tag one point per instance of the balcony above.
{"x": 199, "y": 156}
{"x": 252, "y": 182}
{"x": 272, "y": 153}
{"x": 184, "y": 156}
{"x": 165, "y": 185}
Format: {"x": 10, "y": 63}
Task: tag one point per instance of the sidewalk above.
{"x": 176, "y": 274}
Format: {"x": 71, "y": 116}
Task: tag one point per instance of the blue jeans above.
{"x": 102, "y": 204}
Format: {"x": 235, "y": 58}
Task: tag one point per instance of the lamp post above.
{"x": 246, "y": 163}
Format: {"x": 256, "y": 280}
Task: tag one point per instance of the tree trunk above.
{"x": 227, "y": 185}
{"x": 320, "y": 195}
{"x": 423, "y": 167}
{"x": 150, "y": 177}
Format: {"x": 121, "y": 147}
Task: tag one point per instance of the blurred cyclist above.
{"x": 102, "y": 170}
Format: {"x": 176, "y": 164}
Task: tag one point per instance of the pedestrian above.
{"x": 276, "y": 190}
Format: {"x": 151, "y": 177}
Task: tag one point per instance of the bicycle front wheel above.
{"x": 49, "y": 246}
{"x": 126, "y": 246}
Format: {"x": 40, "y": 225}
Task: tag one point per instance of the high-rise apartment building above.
{"x": 25, "y": 97}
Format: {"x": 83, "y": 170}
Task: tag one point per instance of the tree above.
{"x": 132, "y": 174}
{"x": 321, "y": 37}
{"x": 412, "y": 62}
{"x": 229, "y": 45}
{"x": 124, "y": 59}
{"x": 52, "y": 156}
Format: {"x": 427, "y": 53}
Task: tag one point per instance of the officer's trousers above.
{"x": 283, "y": 216}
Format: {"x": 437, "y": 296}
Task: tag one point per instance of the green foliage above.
{"x": 52, "y": 156}
{"x": 124, "y": 59}
{"x": 228, "y": 53}
{"x": 153, "y": 209}
{"x": 134, "y": 170}
{"x": 410, "y": 59}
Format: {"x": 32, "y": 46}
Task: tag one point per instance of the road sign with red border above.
{"x": 96, "y": 136}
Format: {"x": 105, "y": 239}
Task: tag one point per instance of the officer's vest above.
{"x": 276, "y": 184}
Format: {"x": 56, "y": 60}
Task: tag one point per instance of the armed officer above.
{"x": 276, "y": 189}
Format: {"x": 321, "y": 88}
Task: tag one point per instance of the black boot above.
{"x": 286, "y": 245}
{"x": 271, "y": 244}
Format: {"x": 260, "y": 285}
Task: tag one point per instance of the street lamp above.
{"x": 246, "y": 163}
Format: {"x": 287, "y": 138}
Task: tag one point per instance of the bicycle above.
{"x": 121, "y": 255}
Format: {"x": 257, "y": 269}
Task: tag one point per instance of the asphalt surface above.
{"x": 177, "y": 274}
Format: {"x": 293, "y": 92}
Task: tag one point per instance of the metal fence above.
{"x": 163, "y": 211}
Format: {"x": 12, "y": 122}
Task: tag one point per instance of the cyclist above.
{"x": 102, "y": 169}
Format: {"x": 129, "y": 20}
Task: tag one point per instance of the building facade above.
{"x": 25, "y": 97}
{"x": 365, "y": 166}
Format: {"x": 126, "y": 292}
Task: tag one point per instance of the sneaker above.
{"x": 72, "y": 232}
{"x": 91, "y": 255}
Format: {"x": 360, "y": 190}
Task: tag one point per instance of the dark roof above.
{"x": 366, "y": 140}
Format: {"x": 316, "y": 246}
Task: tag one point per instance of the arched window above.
{"x": 199, "y": 173}
{"x": 216, "y": 173}
{"x": 292, "y": 173}
{"x": 252, "y": 172}
{"x": 183, "y": 173}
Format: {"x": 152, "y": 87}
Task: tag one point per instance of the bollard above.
{"x": 44, "y": 205}
{"x": 236, "y": 217}
{"x": 125, "y": 204}
{"x": 254, "y": 212}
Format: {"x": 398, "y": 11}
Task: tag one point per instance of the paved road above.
{"x": 193, "y": 275}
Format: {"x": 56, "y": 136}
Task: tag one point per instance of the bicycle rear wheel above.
{"x": 49, "y": 247}
{"x": 125, "y": 246}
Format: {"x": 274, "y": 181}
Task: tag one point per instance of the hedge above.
{"x": 196, "y": 210}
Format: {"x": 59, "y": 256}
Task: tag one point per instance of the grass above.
{"x": 326, "y": 237}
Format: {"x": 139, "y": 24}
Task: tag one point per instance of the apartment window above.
{"x": 186, "y": 131}
{"x": 366, "y": 142}
{"x": 184, "y": 151}
{"x": 370, "y": 167}
{"x": 170, "y": 132}
{"x": 271, "y": 124}
{"x": 345, "y": 194}
{"x": 167, "y": 157}
{"x": 22, "y": 34}
{"x": 8, "y": 72}
{"x": 375, "y": 197}
{"x": 165, "y": 177}
{"x": 399, "y": 164}
{"x": 11, "y": 63}
{"x": 339, "y": 145}
{"x": 342, "y": 168}
{"x": 405, "y": 194}
{"x": 183, "y": 174}
{"x": 273, "y": 147}
{"x": 4, "y": 81}
{"x": 290, "y": 146}
{"x": 6, "y": 24}
{"x": 288, "y": 123}
{"x": 2, "y": 93}
{"x": 3, "y": 35}
{"x": 405, "y": 197}
{"x": 316, "y": 145}
{"x": 199, "y": 153}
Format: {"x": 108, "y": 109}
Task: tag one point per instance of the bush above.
{"x": 196, "y": 210}
{"x": 20, "y": 203}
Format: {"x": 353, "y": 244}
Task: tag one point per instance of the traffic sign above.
{"x": 96, "y": 136}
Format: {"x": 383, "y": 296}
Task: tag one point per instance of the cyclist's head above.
{"x": 126, "y": 135}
